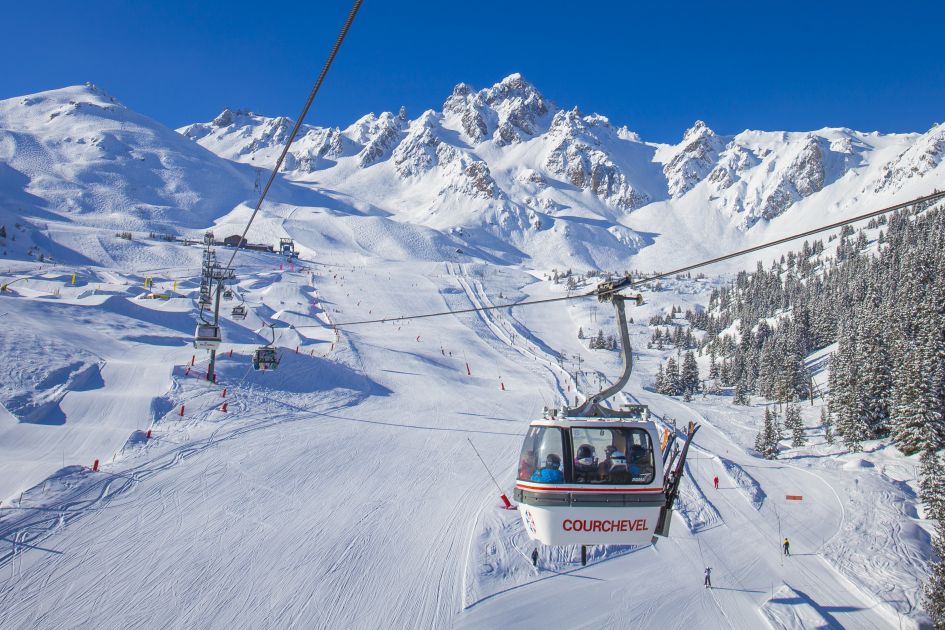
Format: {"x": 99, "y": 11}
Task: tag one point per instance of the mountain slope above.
{"x": 505, "y": 164}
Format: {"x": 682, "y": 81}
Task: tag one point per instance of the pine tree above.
{"x": 827, "y": 423}
{"x": 932, "y": 484}
{"x": 794, "y": 422}
{"x": 713, "y": 364}
{"x": 741, "y": 396}
{"x": 778, "y": 427}
{"x": 844, "y": 401}
{"x": 672, "y": 378}
{"x": 580, "y": 332}
{"x": 933, "y": 599}
{"x": 874, "y": 382}
{"x": 660, "y": 383}
{"x": 689, "y": 378}
{"x": 766, "y": 443}
{"x": 611, "y": 343}
{"x": 760, "y": 442}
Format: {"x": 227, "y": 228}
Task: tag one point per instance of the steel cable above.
{"x": 635, "y": 283}
{"x": 298, "y": 124}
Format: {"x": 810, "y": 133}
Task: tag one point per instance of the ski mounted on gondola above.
{"x": 673, "y": 473}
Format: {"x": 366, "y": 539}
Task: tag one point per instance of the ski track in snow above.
{"x": 342, "y": 492}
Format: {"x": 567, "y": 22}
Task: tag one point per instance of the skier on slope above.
{"x": 715, "y": 481}
{"x": 708, "y": 577}
{"x": 787, "y": 547}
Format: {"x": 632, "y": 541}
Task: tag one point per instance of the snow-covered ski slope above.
{"x": 340, "y": 490}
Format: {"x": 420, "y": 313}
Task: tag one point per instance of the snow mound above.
{"x": 858, "y": 464}
{"x": 746, "y": 483}
{"x": 694, "y": 507}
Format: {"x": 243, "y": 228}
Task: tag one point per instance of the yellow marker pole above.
{"x": 73, "y": 279}
{"x": 175, "y": 286}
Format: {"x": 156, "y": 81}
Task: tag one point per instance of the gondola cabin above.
{"x": 287, "y": 247}
{"x": 591, "y": 481}
{"x": 265, "y": 358}
{"x": 207, "y": 337}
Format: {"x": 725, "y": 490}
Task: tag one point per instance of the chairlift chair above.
{"x": 238, "y": 312}
{"x": 227, "y": 294}
{"x": 265, "y": 357}
{"x": 207, "y": 337}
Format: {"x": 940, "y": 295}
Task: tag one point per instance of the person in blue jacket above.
{"x": 550, "y": 472}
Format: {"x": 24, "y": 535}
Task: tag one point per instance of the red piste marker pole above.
{"x": 95, "y": 466}
{"x": 182, "y": 411}
{"x": 223, "y": 408}
{"x": 223, "y": 395}
{"x": 148, "y": 435}
{"x": 505, "y": 500}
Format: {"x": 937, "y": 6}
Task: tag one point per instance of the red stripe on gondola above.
{"x": 557, "y": 488}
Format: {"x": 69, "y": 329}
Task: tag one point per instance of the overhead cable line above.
{"x": 634, "y": 283}
{"x": 298, "y": 124}
{"x": 793, "y": 237}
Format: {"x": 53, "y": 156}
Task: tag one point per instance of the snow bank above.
{"x": 745, "y": 482}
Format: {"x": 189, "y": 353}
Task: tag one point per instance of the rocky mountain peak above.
{"x": 699, "y": 128}
{"x": 519, "y": 107}
{"x": 224, "y": 119}
{"x": 924, "y": 155}
{"x": 694, "y": 159}
{"x": 378, "y": 135}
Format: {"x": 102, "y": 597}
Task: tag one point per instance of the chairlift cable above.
{"x": 298, "y": 125}
{"x": 634, "y": 283}
{"x": 824, "y": 228}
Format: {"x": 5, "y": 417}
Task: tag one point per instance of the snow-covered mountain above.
{"x": 349, "y": 472}
{"x": 500, "y": 174}
{"x": 78, "y": 157}
{"x": 506, "y": 163}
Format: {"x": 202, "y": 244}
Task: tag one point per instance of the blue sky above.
{"x": 655, "y": 67}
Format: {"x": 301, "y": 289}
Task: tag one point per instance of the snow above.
{"x": 340, "y": 489}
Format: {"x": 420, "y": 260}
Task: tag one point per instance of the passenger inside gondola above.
{"x": 614, "y": 467}
{"x": 585, "y": 464}
{"x": 541, "y": 458}
{"x": 526, "y": 466}
{"x": 628, "y": 456}
{"x": 550, "y": 472}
